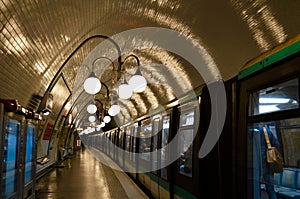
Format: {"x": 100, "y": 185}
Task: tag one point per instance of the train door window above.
{"x": 127, "y": 142}
{"x": 130, "y": 132}
{"x": 112, "y": 143}
{"x": 134, "y": 133}
{"x": 29, "y": 152}
{"x": 145, "y": 140}
{"x": 285, "y": 136}
{"x": 164, "y": 143}
{"x": 185, "y": 145}
{"x": 187, "y": 118}
{"x": 9, "y": 172}
{"x": 155, "y": 132}
{"x": 107, "y": 142}
{"x": 113, "y": 137}
{"x": 279, "y": 97}
{"x": 121, "y": 147}
{"x": 283, "y": 132}
{"x": 121, "y": 139}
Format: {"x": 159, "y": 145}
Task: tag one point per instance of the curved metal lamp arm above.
{"x": 107, "y": 90}
{"x": 101, "y": 105}
{"x": 102, "y": 58}
{"x": 131, "y": 55}
{"x": 56, "y": 77}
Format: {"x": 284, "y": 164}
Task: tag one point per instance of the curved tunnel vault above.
{"x": 38, "y": 40}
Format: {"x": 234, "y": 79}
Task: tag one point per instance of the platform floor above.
{"x": 82, "y": 176}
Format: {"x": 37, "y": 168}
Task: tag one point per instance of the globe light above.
{"x": 46, "y": 113}
{"x": 114, "y": 110}
{"x": 102, "y": 124}
{"x": 138, "y": 83}
{"x": 98, "y": 128}
{"x": 125, "y": 91}
{"x": 92, "y": 108}
{"x": 106, "y": 119}
{"x": 92, "y": 118}
{"x": 92, "y": 85}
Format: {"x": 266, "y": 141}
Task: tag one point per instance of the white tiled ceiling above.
{"x": 38, "y": 36}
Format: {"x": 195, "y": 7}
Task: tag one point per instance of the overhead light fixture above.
{"x": 46, "y": 113}
{"x": 46, "y": 104}
{"x": 91, "y": 108}
{"x": 70, "y": 118}
{"x": 92, "y": 118}
{"x": 92, "y": 84}
{"x": 265, "y": 100}
{"x": 102, "y": 124}
{"x": 114, "y": 110}
{"x": 106, "y": 119}
{"x": 98, "y": 128}
{"x": 137, "y": 82}
{"x": 125, "y": 90}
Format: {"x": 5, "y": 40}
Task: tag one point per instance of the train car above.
{"x": 265, "y": 94}
{"x": 268, "y": 101}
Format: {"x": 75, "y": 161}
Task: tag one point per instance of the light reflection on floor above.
{"x": 82, "y": 177}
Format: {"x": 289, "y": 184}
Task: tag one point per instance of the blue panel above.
{"x": 10, "y": 157}
{"x": 29, "y": 152}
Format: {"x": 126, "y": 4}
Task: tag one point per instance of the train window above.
{"x": 135, "y": 130}
{"x": 156, "y": 130}
{"x": 127, "y": 140}
{"x": 185, "y": 161}
{"x": 29, "y": 152}
{"x": 133, "y": 134}
{"x": 286, "y": 137}
{"x": 9, "y": 171}
{"x": 164, "y": 142}
{"x": 186, "y": 133}
{"x": 187, "y": 118}
{"x": 279, "y": 97}
{"x": 145, "y": 141}
{"x": 121, "y": 139}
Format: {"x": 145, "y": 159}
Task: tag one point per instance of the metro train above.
{"x": 266, "y": 90}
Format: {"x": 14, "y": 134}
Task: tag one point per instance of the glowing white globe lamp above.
{"x": 138, "y": 83}
{"x": 92, "y": 118}
{"x": 114, "y": 110}
{"x": 92, "y": 84}
{"x": 91, "y": 108}
{"x": 125, "y": 91}
{"x": 102, "y": 124}
{"x": 106, "y": 119}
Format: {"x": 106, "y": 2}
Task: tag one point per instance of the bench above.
{"x": 287, "y": 183}
{"x": 42, "y": 160}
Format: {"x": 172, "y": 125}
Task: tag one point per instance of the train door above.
{"x": 144, "y": 160}
{"x": 269, "y": 107}
{"x": 133, "y": 149}
{"x": 186, "y": 170}
{"x": 30, "y": 158}
{"x": 164, "y": 178}
{"x": 154, "y": 175}
{"x": 111, "y": 144}
{"x": 127, "y": 138}
{"x": 116, "y": 145}
{"x": 108, "y": 134}
{"x": 121, "y": 146}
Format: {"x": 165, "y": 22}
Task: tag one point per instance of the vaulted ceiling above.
{"x": 44, "y": 45}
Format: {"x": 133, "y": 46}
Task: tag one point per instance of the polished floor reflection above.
{"x": 80, "y": 177}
